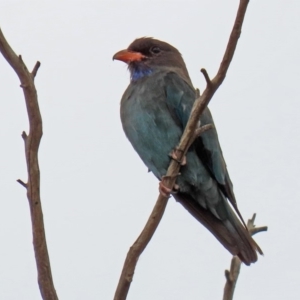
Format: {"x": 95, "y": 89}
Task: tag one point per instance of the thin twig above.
{"x": 24, "y": 136}
{"x": 22, "y": 183}
{"x": 35, "y": 69}
{"x": 235, "y": 266}
{"x": 169, "y": 181}
{"x": 32, "y": 141}
{"x": 199, "y": 131}
{"x": 202, "y": 129}
{"x": 206, "y": 76}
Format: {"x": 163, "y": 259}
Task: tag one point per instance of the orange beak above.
{"x": 128, "y": 56}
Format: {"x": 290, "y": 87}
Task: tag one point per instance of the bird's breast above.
{"x": 149, "y": 125}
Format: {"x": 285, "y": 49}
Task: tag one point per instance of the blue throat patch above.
{"x": 139, "y": 71}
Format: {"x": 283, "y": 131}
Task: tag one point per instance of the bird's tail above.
{"x": 230, "y": 232}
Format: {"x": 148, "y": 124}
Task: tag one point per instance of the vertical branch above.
{"x": 32, "y": 142}
{"x": 235, "y": 266}
{"x": 189, "y": 134}
{"x": 231, "y": 278}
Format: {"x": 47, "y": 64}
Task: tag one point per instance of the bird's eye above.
{"x": 155, "y": 50}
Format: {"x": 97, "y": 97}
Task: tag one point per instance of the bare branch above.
{"x": 24, "y": 136}
{"x": 198, "y": 132}
{"x": 32, "y": 142}
{"x": 231, "y": 278}
{"x": 235, "y": 266}
{"x": 22, "y": 183}
{"x": 258, "y": 229}
{"x": 206, "y": 76}
{"x": 202, "y": 129}
{"x": 169, "y": 181}
{"x": 35, "y": 69}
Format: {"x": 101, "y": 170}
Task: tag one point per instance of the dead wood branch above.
{"x": 235, "y": 266}
{"x": 32, "y": 141}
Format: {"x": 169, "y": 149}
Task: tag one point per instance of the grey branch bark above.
{"x": 32, "y": 142}
{"x": 169, "y": 180}
{"x": 235, "y": 266}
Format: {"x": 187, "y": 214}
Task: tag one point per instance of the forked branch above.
{"x": 235, "y": 266}
{"x": 32, "y": 142}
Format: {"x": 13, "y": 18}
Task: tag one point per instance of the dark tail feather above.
{"x": 230, "y": 232}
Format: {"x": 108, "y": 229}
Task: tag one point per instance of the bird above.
{"x": 154, "y": 111}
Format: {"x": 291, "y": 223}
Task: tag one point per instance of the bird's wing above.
{"x": 180, "y": 97}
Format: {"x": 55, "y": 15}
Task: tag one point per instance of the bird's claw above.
{"x": 165, "y": 191}
{"x": 174, "y": 155}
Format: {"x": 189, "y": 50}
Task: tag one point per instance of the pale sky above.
{"x": 96, "y": 192}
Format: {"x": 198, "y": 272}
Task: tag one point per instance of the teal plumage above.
{"x": 154, "y": 112}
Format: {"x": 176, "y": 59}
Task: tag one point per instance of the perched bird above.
{"x": 155, "y": 109}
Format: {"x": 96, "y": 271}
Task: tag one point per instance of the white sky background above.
{"x": 97, "y": 194}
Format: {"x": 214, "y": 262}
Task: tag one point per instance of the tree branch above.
{"x": 235, "y": 266}
{"x": 32, "y": 141}
{"x": 22, "y": 183}
{"x": 169, "y": 180}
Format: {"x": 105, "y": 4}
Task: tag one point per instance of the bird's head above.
{"x": 145, "y": 56}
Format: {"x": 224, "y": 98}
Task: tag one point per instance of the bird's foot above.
{"x": 165, "y": 191}
{"x": 174, "y": 155}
